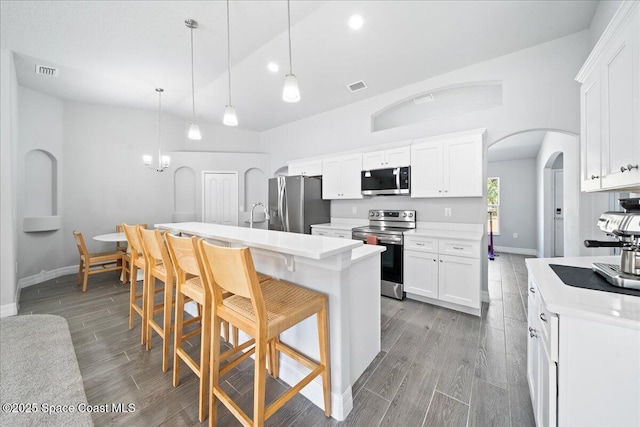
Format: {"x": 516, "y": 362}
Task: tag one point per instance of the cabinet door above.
{"x": 350, "y": 185}
{"x": 547, "y": 387}
{"x": 463, "y": 167}
{"x": 342, "y": 234}
{"x": 532, "y": 349}
{"x": 296, "y": 169}
{"x": 421, "y": 273}
{"x": 591, "y": 114}
{"x": 331, "y": 178}
{"x": 398, "y": 157}
{"x": 426, "y": 170}
{"x": 621, "y": 138}
{"x": 373, "y": 160}
{"x": 459, "y": 280}
{"x": 315, "y": 231}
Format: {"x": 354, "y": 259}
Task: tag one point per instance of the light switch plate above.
{"x": 447, "y": 211}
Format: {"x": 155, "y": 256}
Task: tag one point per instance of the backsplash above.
{"x": 463, "y": 210}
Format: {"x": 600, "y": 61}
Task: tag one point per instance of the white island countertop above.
{"x": 303, "y": 245}
{"x": 608, "y": 307}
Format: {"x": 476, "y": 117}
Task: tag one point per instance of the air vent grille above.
{"x": 357, "y": 86}
{"x": 46, "y": 71}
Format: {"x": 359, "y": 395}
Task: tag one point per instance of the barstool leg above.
{"x": 151, "y": 296}
{"x": 323, "y": 341}
{"x": 205, "y": 345}
{"x": 166, "y": 322}
{"x": 132, "y": 296}
{"x": 177, "y": 340}
{"x": 260, "y": 381}
{"x": 214, "y": 366}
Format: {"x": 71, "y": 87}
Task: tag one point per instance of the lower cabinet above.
{"x": 331, "y": 232}
{"x": 581, "y": 371}
{"x": 430, "y": 271}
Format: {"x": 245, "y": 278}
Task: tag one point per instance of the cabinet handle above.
{"x": 440, "y": 260}
{"x": 434, "y": 260}
{"x": 543, "y": 317}
{"x": 457, "y": 248}
{"x": 439, "y": 191}
{"x": 628, "y": 168}
{"x": 594, "y": 177}
{"x": 533, "y": 332}
{"x": 419, "y": 244}
{"x": 446, "y": 191}
{"x": 533, "y": 290}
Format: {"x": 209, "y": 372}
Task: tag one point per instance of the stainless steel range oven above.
{"x": 386, "y": 228}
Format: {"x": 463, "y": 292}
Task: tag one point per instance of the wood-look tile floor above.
{"x": 437, "y": 367}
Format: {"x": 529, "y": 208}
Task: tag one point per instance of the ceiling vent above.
{"x": 357, "y": 86}
{"x": 46, "y": 71}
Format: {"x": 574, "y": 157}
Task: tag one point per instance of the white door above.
{"x": 220, "y": 198}
{"x": 558, "y": 214}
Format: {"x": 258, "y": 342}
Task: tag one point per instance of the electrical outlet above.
{"x": 515, "y": 235}
{"x": 447, "y": 211}
{"x": 354, "y": 210}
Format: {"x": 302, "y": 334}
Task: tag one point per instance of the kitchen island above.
{"x": 583, "y": 358}
{"x": 347, "y": 271}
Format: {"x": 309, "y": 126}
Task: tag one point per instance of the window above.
{"x": 493, "y": 205}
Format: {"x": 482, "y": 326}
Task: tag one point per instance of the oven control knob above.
{"x": 377, "y": 213}
{"x": 410, "y": 215}
{"x": 404, "y": 214}
{"x": 371, "y": 214}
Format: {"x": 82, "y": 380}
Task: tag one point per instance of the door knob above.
{"x": 594, "y": 177}
{"x": 628, "y": 168}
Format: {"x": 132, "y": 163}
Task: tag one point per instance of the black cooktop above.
{"x": 586, "y": 278}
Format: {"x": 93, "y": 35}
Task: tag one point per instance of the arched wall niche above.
{"x": 437, "y": 103}
{"x": 184, "y": 194}
{"x": 40, "y": 209}
{"x": 255, "y": 187}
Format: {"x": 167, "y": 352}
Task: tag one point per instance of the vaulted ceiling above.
{"x": 118, "y": 52}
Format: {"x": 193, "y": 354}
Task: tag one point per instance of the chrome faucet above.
{"x": 266, "y": 213}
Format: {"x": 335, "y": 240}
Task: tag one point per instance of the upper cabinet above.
{"x": 341, "y": 177}
{"x": 392, "y": 158}
{"x": 610, "y": 106}
{"x": 448, "y": 166}
{"x": 306, "y": 168}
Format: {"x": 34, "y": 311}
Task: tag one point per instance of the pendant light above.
{"x": 163, "y": 161}
{"x": 230, "y": 117}
{"x": 291, "y": 92}
{"x": 194, "y": 129}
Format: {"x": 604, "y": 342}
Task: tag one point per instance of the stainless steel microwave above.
{"x": 386, "y": 181}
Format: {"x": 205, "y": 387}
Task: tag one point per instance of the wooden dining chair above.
{"x": 101, "y": 262}
{"x": 262, "y": 310}
{"x": 159, "y": 267}
{"x": 137, "y": 262}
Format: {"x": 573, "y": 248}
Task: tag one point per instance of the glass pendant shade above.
{"x": 194, "y": 132}
{"x": 166, "y": 160}
{"x": 291, "y": 92}
{"x": 230, "y": 116}
{"x": 147, "y": 160}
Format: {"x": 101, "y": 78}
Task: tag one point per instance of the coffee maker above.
{"x": 625, "y": 227}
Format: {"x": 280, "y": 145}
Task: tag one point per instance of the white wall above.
{"x": 41, "y": 121}
{"x": 517, "y": 203}
{"x": 102, "y": 179}
{"x": 8, "y": 147}
{"x": 605, "y": 11}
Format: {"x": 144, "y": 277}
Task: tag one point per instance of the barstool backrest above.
{"x": 133, "y": 239}
{"x": 154, "y": 249}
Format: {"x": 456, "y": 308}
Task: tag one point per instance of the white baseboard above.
{"x": 518, "y": 251}
{"x": 484, "y": 296}
{"x": 445, "y": 304}
{"x": 43, "y": 276}
{"x": 8, "y": 310}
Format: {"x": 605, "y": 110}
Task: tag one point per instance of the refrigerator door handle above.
{"x": 282, "y": 203}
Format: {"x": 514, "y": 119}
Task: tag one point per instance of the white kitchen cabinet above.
{"x": 448, "y": 166}
{"x": 610, "y": 106}
{"x": 307, "y": 168}
{"x": 331, "y": 232}
{"x": 431, "y": 272}
{"x": 391, "y": 158}
{"x": 341, "y": 177}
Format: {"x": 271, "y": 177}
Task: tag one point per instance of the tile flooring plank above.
{"x": 409, "y": 405}
{"x": 445, "y": 411}
{"x": 513, "y": 307}
{"x": 491, "y": 359}
{"x": 368, "y": 409}
{"x": 489, "y": 405}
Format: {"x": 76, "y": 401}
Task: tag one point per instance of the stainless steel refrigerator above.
{"x": 295, "y": 203}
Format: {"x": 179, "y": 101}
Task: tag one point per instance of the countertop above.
{"x": 303, "y": 245}
{"x": 366, "y": 251}
{"x": 342, "y": 225}
{"x": 608, "y": 307}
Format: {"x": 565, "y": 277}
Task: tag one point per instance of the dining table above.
{"x": 114, "y": 238}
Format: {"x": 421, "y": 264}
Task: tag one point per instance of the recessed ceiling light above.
{"x": 356, "y": 22}
{"x": 273, "y": 67}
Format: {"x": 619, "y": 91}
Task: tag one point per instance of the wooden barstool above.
{"x": 263, "y": 311}
{"x": 137, "y": 262}
{"x": 159, "y": 266}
